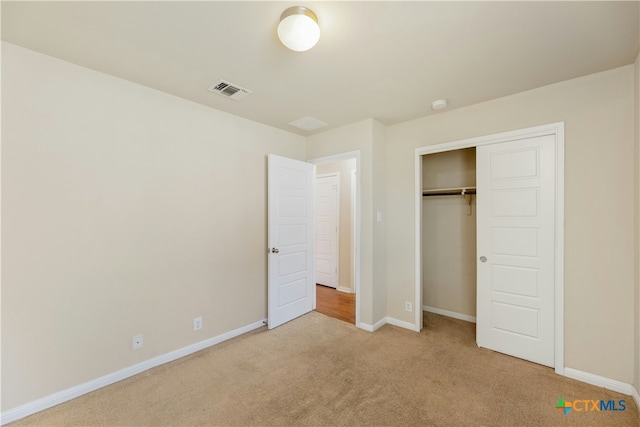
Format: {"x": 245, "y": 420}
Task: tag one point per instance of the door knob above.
{"x": 275, "y": 250}
{"x": 483, "y": 259}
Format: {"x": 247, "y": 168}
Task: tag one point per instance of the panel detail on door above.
{"x": 515, "y": 319}
{"x": 516, "y": 202}
{"x": 514, "y": 241}
{"x": 325, "y": 209}
{"x": 291, "y": 292}
{"x": 291, "y": 263}
{"x": 514, "y": 164}
{"x": 514, "y": 280}
{"x": 293, "y": 179}
{"x": 323, "y": 266}
{"x": 292, "y": 207}
{"x": 292, "y": 235}
{"x": 324, "y": 227}
{"x": 324, "y": 248}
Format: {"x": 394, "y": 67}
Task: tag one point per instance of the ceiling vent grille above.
{"x": 229, "y": 90}
{"x": 308, "y": 123}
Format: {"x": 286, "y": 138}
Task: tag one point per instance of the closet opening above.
{"x": 449, "y": 234}
{"x": 490, "y": 240}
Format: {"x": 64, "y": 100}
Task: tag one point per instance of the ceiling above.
{"x": 382, "y": 60}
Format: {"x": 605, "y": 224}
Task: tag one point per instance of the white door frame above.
{"x": 337, "y": 214}
{"x": 353, "y": 229}
{"x": 336, "y": 158}
{"x": 555, "y": 129}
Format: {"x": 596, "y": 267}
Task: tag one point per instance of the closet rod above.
{"x": 449, "y": 192}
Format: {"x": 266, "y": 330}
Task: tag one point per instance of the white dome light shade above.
{"x": 298, "y": 29}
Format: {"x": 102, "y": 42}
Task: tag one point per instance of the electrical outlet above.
{"x": 138, "y": 341}
{"x": 407, "y": 306}
{"x": 197, "y": 323}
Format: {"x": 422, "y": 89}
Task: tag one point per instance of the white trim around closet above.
{"x": 555, "y": 129}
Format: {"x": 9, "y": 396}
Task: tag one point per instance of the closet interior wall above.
{"x": 449, "y": 234}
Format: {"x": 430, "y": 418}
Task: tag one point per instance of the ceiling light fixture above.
{"x": 298, "y": 29}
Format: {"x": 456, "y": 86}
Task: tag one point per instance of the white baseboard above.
{"x": 449, "y": 313}
{"x": 365, "y": 327}
{"x": 76, "y": 391}
{"x": 402, "y": 324}
{"x": 345, "y": 290}
{"x": 636, "y": 396}
{"x": 380, "y": 323}
{"x": 390, "y": 320}
{"x": 593, "y": 379}
{"x": 372, "y": 328}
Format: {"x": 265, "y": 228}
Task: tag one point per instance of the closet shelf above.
{"x": 456, "y": 191}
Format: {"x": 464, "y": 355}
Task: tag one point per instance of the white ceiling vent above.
{"x": 229, "y": 90}
{"x": 308, "y": 123}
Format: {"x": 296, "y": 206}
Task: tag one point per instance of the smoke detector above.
{"x": 439, "y": 104}
{"x": 229, "y": 90}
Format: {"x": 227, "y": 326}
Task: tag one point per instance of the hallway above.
{"x": 336, "y": 304}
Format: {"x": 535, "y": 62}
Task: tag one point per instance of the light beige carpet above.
{"x": 320, "y": 371}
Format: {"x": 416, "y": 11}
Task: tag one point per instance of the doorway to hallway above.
{"x": 347, "y": 260}
{"x": 336, "y": 304}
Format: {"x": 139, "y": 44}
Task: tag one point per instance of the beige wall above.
{"x": 599, "y": 213}
{"x": 449, "y": 233}
{"x": 343, "y": 168}
{"x": 125, "y": 211}
{"x": 378, "y": 139}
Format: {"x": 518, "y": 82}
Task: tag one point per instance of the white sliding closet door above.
{"x": 516, "y": 244}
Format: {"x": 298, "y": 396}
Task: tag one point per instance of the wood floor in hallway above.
{"x": 336, "y": 304}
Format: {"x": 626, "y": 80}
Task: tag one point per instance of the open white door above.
{"x": 516, "y": 248}
{"x": 290, "y": 239}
